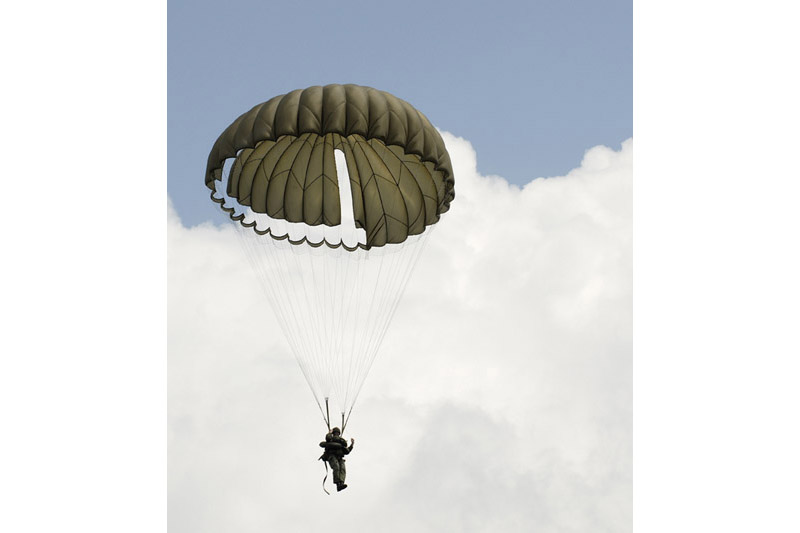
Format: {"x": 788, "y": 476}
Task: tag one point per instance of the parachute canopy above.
{"x": 401, "y": 178}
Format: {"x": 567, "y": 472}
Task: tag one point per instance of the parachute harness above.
{"x": 324, "y": 460}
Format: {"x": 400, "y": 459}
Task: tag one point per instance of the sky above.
{"x": 500, "y": 399}
{"x": 532, "y": 85}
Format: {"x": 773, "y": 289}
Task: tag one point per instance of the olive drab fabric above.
{"x": 339, "y": 469}
{"x": 401, "y": 177}
{"x": 335, "y": 449}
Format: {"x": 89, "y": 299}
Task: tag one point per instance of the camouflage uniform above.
{"x": 335, "y": 450}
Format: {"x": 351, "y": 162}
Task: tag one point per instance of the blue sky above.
{"x": 532, "y": 85}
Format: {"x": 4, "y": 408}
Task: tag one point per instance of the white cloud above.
{"x": 500, "y": 399}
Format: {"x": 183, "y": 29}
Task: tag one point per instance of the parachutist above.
{"x": 335, "y": 449}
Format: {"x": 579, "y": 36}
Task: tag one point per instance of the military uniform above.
{"x": 335, "y": 449}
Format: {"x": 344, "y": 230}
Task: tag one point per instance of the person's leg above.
{"x": 334, "y": 462}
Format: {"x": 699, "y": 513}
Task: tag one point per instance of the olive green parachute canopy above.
{"x": 401, "y": 178}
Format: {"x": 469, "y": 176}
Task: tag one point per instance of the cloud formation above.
{"x": 500, "y": 399}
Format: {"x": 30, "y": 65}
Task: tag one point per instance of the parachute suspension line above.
{"x": 346, "y": 420}
{"x": 322, "y": 307}
{"x": 280, "y": 271}
{"x": 374, "y": 311}
{"x": 363, "y": 339}
{"x": 327, "y": 416}
{"x": 316, "y": 315}
{"x": 362, "y": 331}
{"x": 268, "y": 258}
{"x": 331, "y": 309}
{"x": 350, "y": 318}
{"x": 343, "y": 307}
{"x": 321, "y": 365}
{"x": 275, "y": 257}
{"x": 371, "y": 348}
{"x": 310, "y": 322}
{"x": 394, "y": 300}
{"x": 316, "y": 319}
{"x": 274, "y": 296}
{"x": 328, "y": 305}
{"x": 259, "y": 257}
{"x": 405, "y": 271}
{"x": 341, "y": 322}
{"x": 339, "y": 312}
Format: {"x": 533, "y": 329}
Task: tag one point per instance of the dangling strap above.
{"x": 324, "y": 462}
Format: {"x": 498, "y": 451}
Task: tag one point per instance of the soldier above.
{"x": 335, "y": 449}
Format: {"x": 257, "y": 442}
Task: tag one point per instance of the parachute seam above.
{"x": 305, "y": 184}
{"x": 237, "y": 168}
{"x": 248, "y": 159}
{"x": 414, "y": 178}
{"x": 260, "y": 167}
{"x": 370, "y": 239}
{"x": 288, "y": 175}
{"x": 399, "y": 191}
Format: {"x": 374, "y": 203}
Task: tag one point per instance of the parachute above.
{"x": 333, "y": 192}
